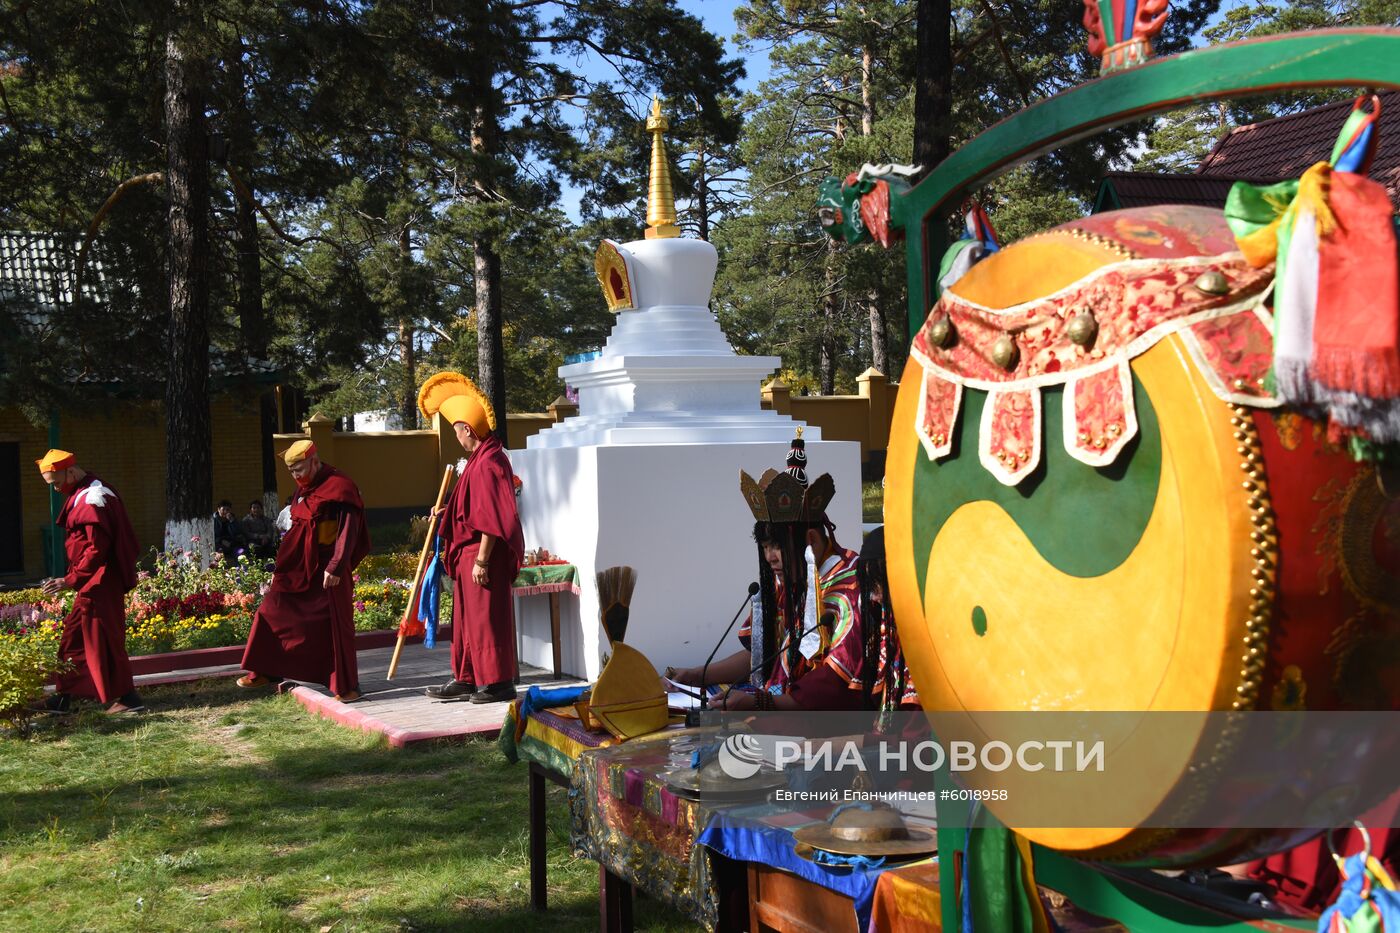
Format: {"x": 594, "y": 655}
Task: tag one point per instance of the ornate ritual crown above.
{"x": 787, "y": 496}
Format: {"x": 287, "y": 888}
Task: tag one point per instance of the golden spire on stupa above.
{"x": 661, "y": 201}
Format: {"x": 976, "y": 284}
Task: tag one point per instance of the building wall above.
{"x": 399, "y": 470}
{"x": 124, "y": 443}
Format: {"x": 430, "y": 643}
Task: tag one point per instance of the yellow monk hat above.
{"x": 55, "y": 460}
{"x": 458, "y": 399}
{"x": 628, "y": 699}
{"x": 298, "y": 452}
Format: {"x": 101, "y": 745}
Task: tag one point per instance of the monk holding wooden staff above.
{"x": 483, "y": 544}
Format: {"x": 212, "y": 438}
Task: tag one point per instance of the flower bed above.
{"x": 178, "y": 606}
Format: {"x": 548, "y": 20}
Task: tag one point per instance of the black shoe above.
{"x": 60, "y": 704}
{"x": 452, "y": 691}
{"x": 127, "y": 703}
{"x": 496, "y": 693}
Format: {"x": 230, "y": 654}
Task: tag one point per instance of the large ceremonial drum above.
{"x": 1093, "y": 503}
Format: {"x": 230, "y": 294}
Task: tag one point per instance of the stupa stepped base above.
{"x": 668, "y": 330}
{"x": 679, "y": 427}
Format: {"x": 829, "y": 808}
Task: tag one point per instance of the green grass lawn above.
{"x": 221, "y": 812}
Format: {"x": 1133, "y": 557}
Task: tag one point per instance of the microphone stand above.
{"x": 827, "y": 620}
{"x": 692, "y": 717}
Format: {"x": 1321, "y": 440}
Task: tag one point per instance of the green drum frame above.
{"x": 1362, "y": 58}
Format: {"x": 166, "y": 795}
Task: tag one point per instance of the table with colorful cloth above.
{"x": 624, "y": 816}
{"x": 548, "y": 579}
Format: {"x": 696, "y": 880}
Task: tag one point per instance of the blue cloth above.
{"x": 430, "y": 596}
{"x": 1359, "y": 906}
{"x": 539, "y": 698}
{"x": 831, "y": 859}
{"x": 703, "y": 754}
{"x": 746, "y": 841}
{"x": 1350, "y": 160}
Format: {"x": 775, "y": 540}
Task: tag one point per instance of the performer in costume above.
{"x": 101, "y": 550}
{"x": 305, "y": 627}
{"x": 890, "y": 687}
{"x": 810, "y": 647}
{"x": 483, "y": 546}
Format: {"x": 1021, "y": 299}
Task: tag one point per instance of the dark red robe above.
{"x": 483, "y": 618}
{"x": 101, "y": 549}
{"x": 304, "y": 631}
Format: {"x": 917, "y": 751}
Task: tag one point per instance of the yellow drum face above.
{"x": 1118, "y": 588}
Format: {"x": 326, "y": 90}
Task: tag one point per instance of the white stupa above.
{"x": 647, "y": 474}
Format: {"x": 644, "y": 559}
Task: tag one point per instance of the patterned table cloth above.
{"x": 552, "y": 741}
{"x": 625, "y": 817}
{"x": 545, "y": 578}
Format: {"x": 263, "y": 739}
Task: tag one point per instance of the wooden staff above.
{"x": 410, "y": 612}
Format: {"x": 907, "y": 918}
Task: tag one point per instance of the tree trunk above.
{"x": 875, "y": 310}
{"x": 490, "y": 348}
{"x": 867, "y": 93}
{"x": 831, "y": 308}
{"x": 879, "y": 350}
{"x": 252, "y": 321}
{"x": 189, "y": 460}
{"x": 933, "y": 83}
{"x": 408, "y": 334}
{"x": 702, "y": 192}
{"x": 408, "y": 359}
{"x": 490, "y": 345}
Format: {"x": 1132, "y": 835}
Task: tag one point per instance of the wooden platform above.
{"x": 398, "y": 709}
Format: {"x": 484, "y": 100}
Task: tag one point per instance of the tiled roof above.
{"x": 1145, "y": 189}
{"x": 1285, "y": 147}
{"x": 37, "y": 279}
{"x": 37, "y": 273}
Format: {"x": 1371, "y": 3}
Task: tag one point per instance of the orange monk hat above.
{"x": 298, "y": 452}
{"x": 55, "y": 460}
{"x": 457, "y": 398}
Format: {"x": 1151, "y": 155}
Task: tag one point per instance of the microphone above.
{"x": 827, "y": 620}
{"x": 692, "y": 717}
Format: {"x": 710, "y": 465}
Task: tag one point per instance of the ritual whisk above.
{"x": 615, "y": 587}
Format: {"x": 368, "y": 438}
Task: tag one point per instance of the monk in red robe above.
{"x": 101, "y": 550}
{"x": 483, "y": 546}
{"x": 305, "y": 627}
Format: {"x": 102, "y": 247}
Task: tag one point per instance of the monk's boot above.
{"x": 349, "y": 696}
{"x": 496, "y": 693}
{"x": 251, "y": 680}
{"x": 454, "y": 691}
{"x": 127, "y": 704}
{"x": 60, "y": 704}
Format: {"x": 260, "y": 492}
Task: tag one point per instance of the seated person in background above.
{"x": 805, "y": 640}
{"x": 890, "y": 687}
{"x": 258, "y": 531}
{"x": 283, "y": 522}
{"x": 228, "y": 534}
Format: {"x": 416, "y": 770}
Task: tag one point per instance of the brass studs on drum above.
{"x": 941, "y": 332}
{"x": 1263, "y": 551}
{"x": 1005, "y": 353}
{"x": 1213, "y": 282}
{"x": 1083, "y": 329}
